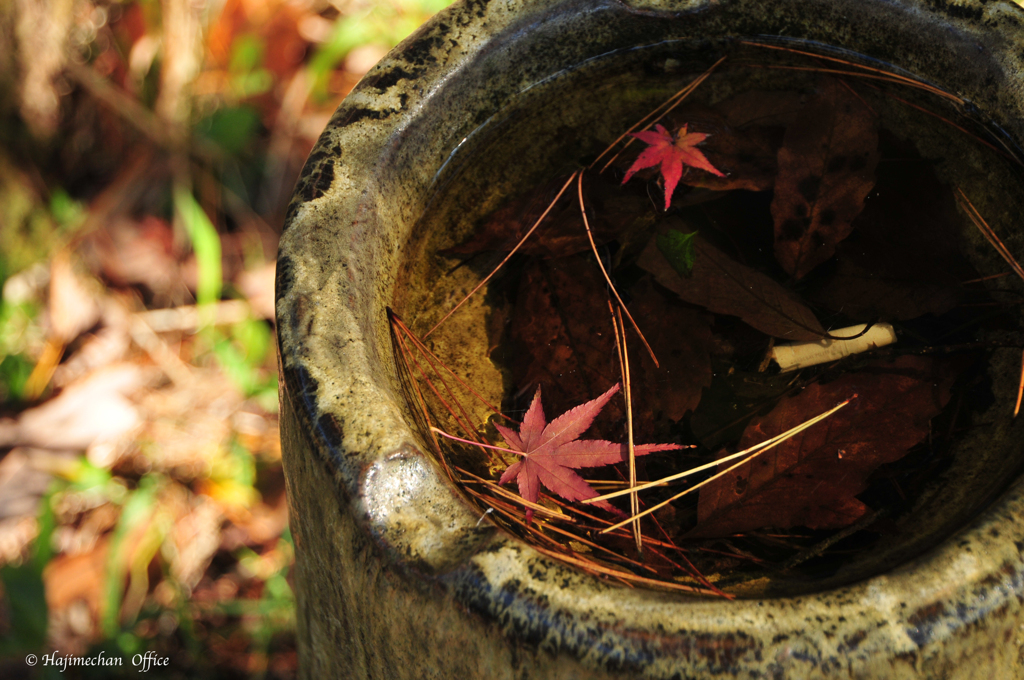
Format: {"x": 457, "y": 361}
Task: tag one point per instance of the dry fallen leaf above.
{"x": 196, "y": 538}
{"x": 257, "y": 285}
{"x": 128, "y": 253}
{"x": 73, "y": 306}
{"x": 108, "y": 344}
{"x": 724, "y": 286}
{"x": 611, "y": 211}
{"x": 188, "y": 425}
{"x": 903, "y": 259}
{"x": 826, "y": 169}
{"x": 21, "y": 484}
{"x": 813, "y": 479}
{"x": 93, "y": 409}
{"x": 77, "y": 577}
{"x": 681, "y": 339}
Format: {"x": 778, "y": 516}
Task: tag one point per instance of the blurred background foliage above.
{"x": 148, "y": 149}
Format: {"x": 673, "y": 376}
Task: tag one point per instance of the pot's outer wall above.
{"x": 395, "y": 576}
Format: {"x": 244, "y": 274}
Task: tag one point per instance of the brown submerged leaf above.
{"x": 563, "y": 330}
{"x": 562, "y": 325}
{"x": 902, "y": 260}
{"x": 812, "y": 479}
{"x": 681, "y": 339}
{"x": 722, "y": 285}
{"x": 747, "y": 157}
{"x": 611, "y": 209}
{"x": 826, "y": 169}
{"x": 762, "y": 108}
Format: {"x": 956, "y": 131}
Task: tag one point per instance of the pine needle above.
{"x": 507, "y": 257}
{"x": 620, "y": 345}
{"x": 753, "y": 452}
{"x": 1020, "y": 390}
{"x": 986, "y": 230}
{"x": 625, "y": 575}
{"x": 657, "y": 114}
{"x": 607, "y": 278}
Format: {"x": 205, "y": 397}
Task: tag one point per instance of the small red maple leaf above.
{"x": 552, "y": 449}
{"x": 671, "y": 153}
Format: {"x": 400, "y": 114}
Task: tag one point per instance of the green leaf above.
{"x": 205, "y": 242}
{"x": 384, "y": 23}
{"x": 14, "y": 372}
{"x": 246, "y": 53}
{"x": 24, "y": 589}
{"x": 242, "y": 464}
{"x": 242, "y": 354}
{"x": 253, "y": 336}
{"x": 137, "y": 509}
{"x": 233, "y": 128}
{"x": 67, "y": 212}
{"x": 26, "y": 598}
{"x": 678, "y": 249}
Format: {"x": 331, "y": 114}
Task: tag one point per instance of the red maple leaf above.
{"x": 552, "y": 449}
{"x": 671, "y": 153}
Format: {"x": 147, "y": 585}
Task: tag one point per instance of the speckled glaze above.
{"x": 395, "y": 576}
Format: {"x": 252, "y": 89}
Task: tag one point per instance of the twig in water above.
{"x": 486, "y": 512}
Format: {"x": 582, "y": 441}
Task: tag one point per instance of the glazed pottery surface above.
{"x": 396, "y": 576}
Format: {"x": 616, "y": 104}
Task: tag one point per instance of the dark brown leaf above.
{"x": 611, "y": 210}
{"x": 562, "y": 330}
{"x": 73, "y": 300}
{"x": 812, "y": 479}
{"x": 762, "y": 108}
{"x": 722, "y": 285}
{"x": 681, "y": 339}
{"x": 128, "y": 253}
{"x": 902, "y": 261}
{"x": 95, "y": 409}
{"x": 826, "y": 169}
{"x": 257, "y": 285}
{"x": 745, "y": 219}
{"x": 562, "y": 327}
{"x": 733, "y": 399}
